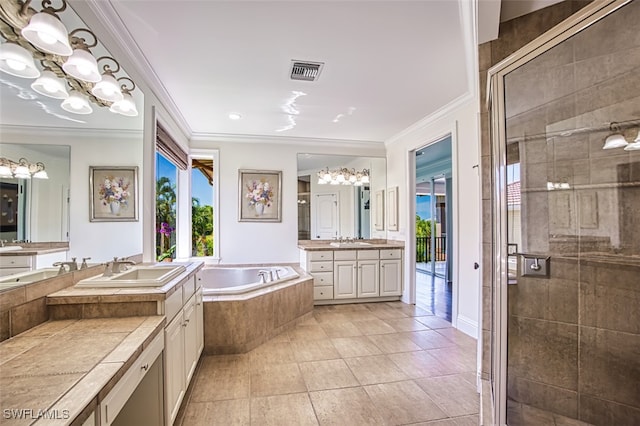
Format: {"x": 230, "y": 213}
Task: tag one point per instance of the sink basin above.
{"x": 350, "y": 244}
{"x": 29, "y": 277}
{"x": 10, "y": 248}
{"x": 138, "y": 276}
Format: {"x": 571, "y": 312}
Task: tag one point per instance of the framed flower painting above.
{"x": 113, "y": 194}
{"x": 260, "y": 196}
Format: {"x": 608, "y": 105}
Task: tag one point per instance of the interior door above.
{"x": 325, "y": 217}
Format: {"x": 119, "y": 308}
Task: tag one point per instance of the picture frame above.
{"x": 259, "y": 195}
{"x": 113, "y": 194}
{"x": 392, "y": 209}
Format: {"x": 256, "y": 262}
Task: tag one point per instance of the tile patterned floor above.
{"x": 361, "y": 364}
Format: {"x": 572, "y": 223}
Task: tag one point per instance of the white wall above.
{"x": 99, "y": 240}
{"x": 461, "y": 121}
{"x": 269, "y": 242}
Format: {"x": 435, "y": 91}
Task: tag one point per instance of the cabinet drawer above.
{"x": 320, "y": 255}
{"x": 323, "y": 292}
{"x": 15, "y": 261}
{"x": 321, "y": 266}
{"x": 391, "y": 254}
{"x": 188, "y": 289}
{"x": 368, "y": 254}
{"x": 323, "y": 278}
{"x": 118, "y": 396}
{"x": 345, "y": 255}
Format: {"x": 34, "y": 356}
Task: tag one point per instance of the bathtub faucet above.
{"x": 265, "y": 276}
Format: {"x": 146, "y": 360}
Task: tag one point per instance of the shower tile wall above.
{"x": 574, "y": 338}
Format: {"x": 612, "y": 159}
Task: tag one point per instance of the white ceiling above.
{"x": 387, "y": 64}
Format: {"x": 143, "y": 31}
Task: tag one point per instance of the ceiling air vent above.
{"x": 306, "y": 71}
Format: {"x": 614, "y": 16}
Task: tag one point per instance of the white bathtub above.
{"x": 217, "y": 281}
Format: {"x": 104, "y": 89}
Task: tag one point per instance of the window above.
{"x": 166, "y": 196}
{"x": 204, "y": 178}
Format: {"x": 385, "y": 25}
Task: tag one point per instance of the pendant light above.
{"x": 81, "y": 64}
{"x": 22, "y": 170}
{"x": 108, "y": 88}
{"x": 46, "y": 32}
{"x": 126, "y": 106}
{"x": 17, "y": 61}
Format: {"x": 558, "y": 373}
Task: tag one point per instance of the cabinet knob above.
{"x": 145, "y": 367}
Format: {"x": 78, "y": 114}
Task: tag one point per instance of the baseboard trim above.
{"x": 467, "y": 326}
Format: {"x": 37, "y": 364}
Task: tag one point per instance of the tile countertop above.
{"x": 124, "y": 294}
{"x": 34, "y": 251}
{"x": 318, "y": 245}
{"x": 66, "y": 367}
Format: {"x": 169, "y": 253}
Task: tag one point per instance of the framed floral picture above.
{"x": 260, "y": 196}
{"x": 113, "y": 194}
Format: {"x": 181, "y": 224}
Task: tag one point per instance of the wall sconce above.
{"x": 22, "y": 169}
{"x": 343, "y": 176}
{"x": 64, "y": 56}
{"x": 635, "y": 145}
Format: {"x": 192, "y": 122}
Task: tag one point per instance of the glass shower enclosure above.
{"x": 566, "y": 122}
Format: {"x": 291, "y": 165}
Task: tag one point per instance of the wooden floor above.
{"x": 359, "y": 364}
{"x": 433, "y": 294}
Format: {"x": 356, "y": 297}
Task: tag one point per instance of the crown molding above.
{"x": 110, "y": 18}
{"x": 47, "y": 131}
{"x": 285, "y": 140}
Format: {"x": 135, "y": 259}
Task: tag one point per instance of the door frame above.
{"x": 581, "y": 20}
{"x": 314, "y": 213}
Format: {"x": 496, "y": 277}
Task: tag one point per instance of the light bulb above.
{"x": 50, "y": 86}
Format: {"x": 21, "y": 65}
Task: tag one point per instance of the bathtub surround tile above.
{"x": 553, "y": 399}
{"x": 295, "y": 409}
{"x": 601, "y": 412}
{"x": 334, "y": 406}
{"x": 302, "y": 376}
{"x": 328, "y": 374}
{"x": 375, "y": 369}
{"x": 403, "y": 402}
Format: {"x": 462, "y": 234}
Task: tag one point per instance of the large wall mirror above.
{"x": 34, "y": 209}
{"x": 336, "y": 196}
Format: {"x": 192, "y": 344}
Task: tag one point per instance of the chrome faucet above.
{"x": 84, "y": 263}
{"x": 265, "y": 276}
{"x": 3, "y": 242}
{"x": 114, "y": 266}
{"x": 72, "y": 265}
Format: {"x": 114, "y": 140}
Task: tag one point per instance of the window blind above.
{"x": 168, "y": 147}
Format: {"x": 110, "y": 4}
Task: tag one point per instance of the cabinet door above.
{"x": 190, "y": 339}
{"x": 344, "y": 279}
{"x": 174, "y": 367}
{"x": 368, "y": 278}
{"x": 390, "y": 277}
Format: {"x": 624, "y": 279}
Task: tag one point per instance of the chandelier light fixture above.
{"x": 22, "y": 169}
{"x": 69, "y": 69}
{"x": 343, "y": 176}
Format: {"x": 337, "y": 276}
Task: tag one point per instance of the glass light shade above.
{"x": 615, "y": 141}
{"x": 357, "y": 183}
{"x": 76, "y": 104}
{"x": 22, "y": 172}
{"x": 41, "y": 174}
{"x": 48, "y": 84}
{"x": 5, "y": 171}
{"x": 83, "y": 66}
{"x": 46, "y": 32}
{"x": 17, "y": 61}
{"x": 125, "y": 107}
{"x": 353, "y": 178}
{"x": 365, "y": 179}
{"x": 321, "y": 181}
{"x": 340, "y": 177}
{"x": 107, "y": 89}
{"x": 634, "y": 146}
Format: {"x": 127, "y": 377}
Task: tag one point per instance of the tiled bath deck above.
{"x": 365, "y": 364}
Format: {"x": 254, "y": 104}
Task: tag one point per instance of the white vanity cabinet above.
{"x": 184, "y": 341}
{"x": 354, "y": 275}
{"x": 137, "y": 398}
